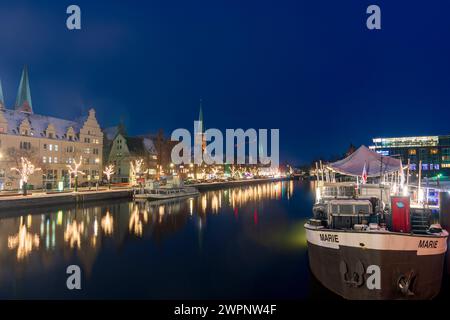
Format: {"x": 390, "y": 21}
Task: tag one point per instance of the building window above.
{"x": 25, "y": 145}
{"x": 434, "y": 151}
{"x": 87, "y": 150}
{"x": 70, "y": 149}
{"x": 412, "y": 152}
{"x": 2, "y": 130}
{"x": 50, "y": 147}
{"x": 44, "y": 159}
{"x": 2, "y": 173}
{"x": 87, "y": 140}
{"x": 55, "y": 160}
{"x": 56, "y": 147}
{"x": 445, "y": 154}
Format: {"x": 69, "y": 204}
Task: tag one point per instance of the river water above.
{"x": 233, "y": 243}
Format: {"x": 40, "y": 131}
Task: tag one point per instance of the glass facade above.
{"x": 433, "y": 151}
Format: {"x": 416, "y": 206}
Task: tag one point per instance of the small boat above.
{"x": 164, "y": 193}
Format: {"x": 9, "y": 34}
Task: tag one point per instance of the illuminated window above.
{"x": 434, "y": 151}
{"x": 412, "y": 152}
{"x": 445, "y": 165}
{"x": 44, "y": 159}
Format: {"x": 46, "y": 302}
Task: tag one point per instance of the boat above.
{"x": 374, "y": 241}
{"x": 164, "y": 193}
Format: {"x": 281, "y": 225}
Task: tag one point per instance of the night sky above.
{"x": 310, "y": 68}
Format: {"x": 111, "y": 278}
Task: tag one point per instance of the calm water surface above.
{"x": 244, "y": 242}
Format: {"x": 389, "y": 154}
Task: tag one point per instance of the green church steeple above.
{"x": 200, "y": 116}
{"x": 23, "y": 101}
{"x": 2, "y": 99}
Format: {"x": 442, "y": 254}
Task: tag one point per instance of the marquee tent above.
{"x": 376, "y": 164}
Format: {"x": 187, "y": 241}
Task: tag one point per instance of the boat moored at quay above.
{"x": 374, "y": 241}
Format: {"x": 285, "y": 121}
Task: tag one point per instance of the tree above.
{"x": 26, "y": 170}
{"x": 136, "y": 170}
{"x": 75, "y": 171}
{"x": 109, "y": 171}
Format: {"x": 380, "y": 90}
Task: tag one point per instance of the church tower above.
{"x": 23, "y": 100}
{"x": 2, "y": 99}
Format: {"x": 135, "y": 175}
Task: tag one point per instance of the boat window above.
{"x": 362, "y": 209}
{"x": 346, "y": 208}
{"x": 335, "y": 208}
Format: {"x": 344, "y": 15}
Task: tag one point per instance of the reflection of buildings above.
{"x": 80, "y": 233}
{"x": 23, "y": 241}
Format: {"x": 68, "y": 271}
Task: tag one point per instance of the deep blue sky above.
{"x": 309, "y": 68}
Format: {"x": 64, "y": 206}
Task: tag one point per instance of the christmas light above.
{"x": 25, "y": 171}
{"x": 74, "y": 169}
{"x": 109, "y": 171}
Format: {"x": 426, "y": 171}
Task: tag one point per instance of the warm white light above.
{"x": 109, "y": 171}
{"x": 26, "y": 169}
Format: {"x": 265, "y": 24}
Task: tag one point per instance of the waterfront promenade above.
{"x": 42, "y": 199}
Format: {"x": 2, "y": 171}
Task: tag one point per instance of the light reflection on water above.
{"x": 154, "y": 250}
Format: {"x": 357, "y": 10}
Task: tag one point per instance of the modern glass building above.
{"x": 433, "y": 151}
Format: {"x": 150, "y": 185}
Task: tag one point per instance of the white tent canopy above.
{"x": 376, "y": 164}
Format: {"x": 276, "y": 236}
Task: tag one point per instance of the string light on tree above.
{"x": 109, "y": 171}
{"x": 26, "y": 170}
{"x": 136, "y": 170}
{"x": 74, "y": 169}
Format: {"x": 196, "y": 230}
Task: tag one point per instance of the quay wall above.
{"x": 44, "y": 200}
{"x": 19, "y": 202}
{"x": 236, "y": 183}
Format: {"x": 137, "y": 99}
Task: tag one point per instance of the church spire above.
{"x": 200, "y": 117}
{"x": 23, "y": 101}
{"x": 2, "y": 99}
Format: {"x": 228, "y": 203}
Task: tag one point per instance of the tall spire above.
{"x": 2, "y": 99}
{"x": 23, "y": 101}
{"x": 200, "y": 117}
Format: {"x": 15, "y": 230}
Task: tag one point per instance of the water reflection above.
{"x": 44, "y": 239}
{"x": 23, "y": 242}
{"x": 84, "y": 227}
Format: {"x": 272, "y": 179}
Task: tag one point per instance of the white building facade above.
{"x": 50, "y": 143}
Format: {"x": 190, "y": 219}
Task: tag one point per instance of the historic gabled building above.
{"x": 50, "y": 143}
{"x": 125, "y": 149}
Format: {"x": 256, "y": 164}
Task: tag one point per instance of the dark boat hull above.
{"x": 403, "y": 274}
